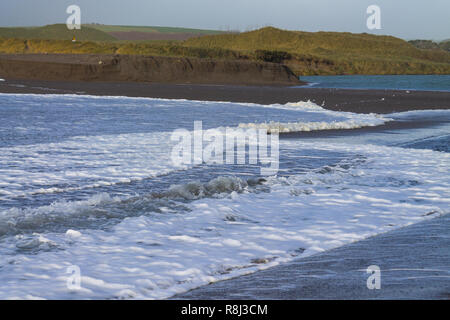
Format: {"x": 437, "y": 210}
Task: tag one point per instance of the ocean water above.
{"x": 390, "y": 82}
{"x": 89, "y": 184}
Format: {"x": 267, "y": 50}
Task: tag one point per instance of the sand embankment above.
{"x": 79, "y": 67}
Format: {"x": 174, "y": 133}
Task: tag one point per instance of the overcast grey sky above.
{"x": 408, "y": 19}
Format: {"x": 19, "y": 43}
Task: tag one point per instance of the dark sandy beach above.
{"x": 360, "y": 101}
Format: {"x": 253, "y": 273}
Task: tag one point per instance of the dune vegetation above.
{"x": 305, "y": 53}
{"x": 331, "y": 52}
{"x": 430, "y": 44}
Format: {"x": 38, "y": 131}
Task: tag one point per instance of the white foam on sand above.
{"x": 350, "y": 120}
{"x": 421, "y": 114}
{"x": 379, "y": 189}
{"x": 286, "y": 127}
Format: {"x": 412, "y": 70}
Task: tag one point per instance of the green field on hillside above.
{"x": 109, "y": 28}
{"x": 55, "y": 32}
{"x": 306, "y": 53}
{"x": 90, "y": 32}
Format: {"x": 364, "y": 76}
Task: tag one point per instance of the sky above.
{"x": 407, "y": 19}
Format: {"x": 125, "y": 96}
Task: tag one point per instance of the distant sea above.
{"x": 392, "y": 82}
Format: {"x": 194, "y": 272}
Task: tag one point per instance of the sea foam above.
{"x": 377, "y": 190}
{"x": 157, "y": 244}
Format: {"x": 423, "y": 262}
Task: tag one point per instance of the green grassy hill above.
{"x": 331, "y": 52}
{"x": 150, "y": 48}
{"x": 306, "y": 53}
{"x": 55, "y": 32}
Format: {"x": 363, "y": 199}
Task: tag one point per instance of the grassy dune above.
{"x": 306, "y": 53}
{"x": 151, "y": 48}
{"x": 331, "y": 52}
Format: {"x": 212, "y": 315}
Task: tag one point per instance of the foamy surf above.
{"x": 274, "y": 127}
{"x": 123, "y": 156}
{"x": 350, "y": 120}
{"x": 102, "y": 210}
{"x": 219, "y": 238}
{"x": 133, "y": 240}
{"x": 55, "y": 167}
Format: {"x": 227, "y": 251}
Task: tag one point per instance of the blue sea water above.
{"x": 389, "y": 82}
{"x": 90, "y": 182}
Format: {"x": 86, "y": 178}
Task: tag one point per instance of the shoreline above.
{"x": 342, "y": 272}
{"x": 350, "y": 100}
{"x": 410, "y": 259}
{"x": 388, "y": 126}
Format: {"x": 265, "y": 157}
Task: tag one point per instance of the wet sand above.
{"x": 414, "y": 263}
{"x": 360, "y": 101}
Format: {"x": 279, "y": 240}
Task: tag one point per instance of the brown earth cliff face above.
{"x": 70, "y": 67}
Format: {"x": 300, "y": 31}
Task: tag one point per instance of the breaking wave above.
{"x": 349, "y": 120}
{"x": 102, "y": 209}
{"x": 286, "y": 127}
